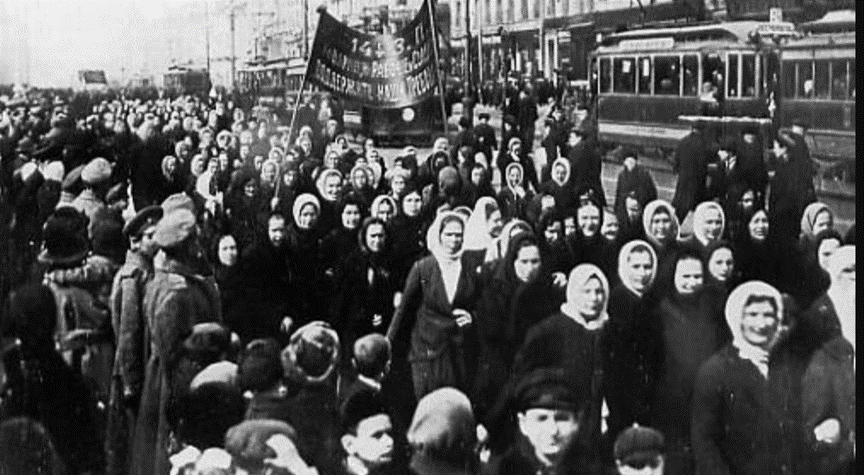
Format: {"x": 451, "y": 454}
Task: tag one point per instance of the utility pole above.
{"x": 233, "y": 54}
{"x": 207, "y": 35}
{"x": 305, "y": 29}
{"x": 468, "y": 93}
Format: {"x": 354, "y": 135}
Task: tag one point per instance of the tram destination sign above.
{"x": 381, "y": 71}
{"x": 643, "y": 44}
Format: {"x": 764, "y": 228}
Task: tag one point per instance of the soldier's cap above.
{"x": 174, "y": 228}
{"x": 96, "y": 171}
{"x": 142, "y": 220}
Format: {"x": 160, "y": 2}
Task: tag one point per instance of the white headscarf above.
{"x": 623, "y": 268}
{"x": 477, "y": 229}
{"x": 300, "y": 202}
{"x": 566, "y": 164}
{"x": 519, "y": 189}
{"x": 649, "y": 212}
{"x": 735, "y": 312}
{"x": 808, "y": 218}
{"x": 321, "y": 181}
{"x": 433, "y": 237}
{"x": 699, "y": 216}
{"x": 579, "y": 276}
{"x": 842, "y": 294}
{"x": 503, "y": 241}
{"x": 373, "y": 210}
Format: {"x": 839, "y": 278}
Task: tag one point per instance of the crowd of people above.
{"x": 190, "y": 289}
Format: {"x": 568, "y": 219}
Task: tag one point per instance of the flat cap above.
{"x": 638, "y": 444}
{"x": 146, "y": 217}
{"x": 96, "y": 172}
{"x": 550, "y": 389}
{"x": 360, "y": 406}
{"x": 174, "y": 228}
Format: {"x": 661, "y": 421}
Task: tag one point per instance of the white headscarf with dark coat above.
{"x": 636, "y": 245}
{"x": 699, "y": 216}
{"x": 580, "y": 276}
{"x": 841, "y": 292}
{"x": 735, "y": 312}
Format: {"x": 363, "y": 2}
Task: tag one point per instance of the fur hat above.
{"x": 64, "y": 238}
{"x": 145, "y": 218}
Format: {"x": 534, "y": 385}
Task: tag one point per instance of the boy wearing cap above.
{"x": 130, "y": 326}
{"x": 367, "y": 436}
{"x": 640, "y": 451}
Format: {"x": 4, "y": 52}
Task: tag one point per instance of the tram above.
{"x": 274, "y": 85}
{"x": 650, "y": 84}
{"x": 180, "y": 80}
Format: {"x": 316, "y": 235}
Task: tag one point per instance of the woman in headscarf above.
{"x": 661, "y": 229}
{"x": 581, "y": 322}
{"x": 741, "y": 205}
{"x": 397, "y": 182}
{"x": 745, "y": 415}
{"x": 341, "y": 241}
{"x": 171, "y": 180}
{"x": 560, "y": 187}
{"x": 587, "y": 244}
{"x": 365, "y": 287}
{"x": 791, "y": 191}
{"x": 436, "y": 307}
{"x": 720, "y": 266}
{"x": 479, "y": 183}
{"x": 828, "y": 386}
{"x": 514, "y": 197}
{"x": 688, "y": 328}
{"x": 446, "y": 193}
{"x": 288, "y": 189}
{"x": 384, "y": 208}
{"x": 482, "y": 229}
{"x": 304, "y": 260}
{"x": 408, "y": 236}
{"x": 268, "y": 181}
{"x": 814, "y": 265}
{"x": 629, "y": 371}
{"x": 230, "y": 282}
{"x": 756, "y": 255}
{"x": 817, "y": 217}
{"x": 242, "y": 205}
{"x": 708, "y": 224}
{"x": 360, "y": 186}
{"x": 518, "y": 294}
{"x": 329, "y": 186}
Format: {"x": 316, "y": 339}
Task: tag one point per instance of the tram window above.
{"x": 667, "y": 75}
{"x": 712, "y": 72}
{"x": 644, "y": 75}
{"x": 605, "y": 75}
{"x": 789, "y": 79}
{"x": 838, "y": 79}
{"x": 823, "y": 79}
{"x": 732, "y": 78}
{"x": 805, "y": 79}
{"x": 748, "y": 75}
{"x": 691, "y": 75}
{"x": 625, "y": 75}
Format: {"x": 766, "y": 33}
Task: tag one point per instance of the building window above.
{"x": 524, "y": 10}
{"x": 499, "y": 12}
{"x": 789, "y": 74}
{"x": 487, "y": 14}
{"x": 667, "y": 75}
{"x": 625, "y": 75}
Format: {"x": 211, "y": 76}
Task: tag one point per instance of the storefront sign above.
{"x": 389, "y": 70}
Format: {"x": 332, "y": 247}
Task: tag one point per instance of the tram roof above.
{"x": 734, "y": 30}
{"x": 832, "y": 21}
{"x": 815, "y": 40}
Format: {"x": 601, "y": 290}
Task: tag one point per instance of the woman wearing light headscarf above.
{"x": 629, "y": 372}
{"x": 514, "y": 197}
{"x": 560, "y": 186}
{"x": 817, "y": 217}
{"x": 436, "y": 307}
{"x": 384, "y": 208}
{"x": 483, "y": 228}
{"x": 581, "y": 322}
{"x": 828, "y": 387}
{"x": 745, "y": 407}
{"x": 708, "y": 223}
{"x": 304, "y": 260}
{"x": 661, "y": 229}
{"x": 360, "y": 185}
{"x": 329, "y": 186}
{"x": 267, "y": 183}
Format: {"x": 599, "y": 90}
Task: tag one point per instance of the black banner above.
{"x": 389, "y": 70}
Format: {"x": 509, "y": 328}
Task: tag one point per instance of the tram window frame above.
{"x": 618, "y": 86}
{"x": 822, "y": 79}
{"x": 748, "y": 78}
{"x": 733, "y": 75}
{"x": 850, "y": 68}
{"x": 690, "y": 89}
{"x": 644, "y": 84}
{"x": 804, "y": 73}
{"x": 674, "y": 60}
{"x": 839, "y": 73}
{"x": 607, "y": 80}
{"x": 790, "y": 79}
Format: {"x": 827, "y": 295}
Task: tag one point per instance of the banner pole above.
{"x": 437, "y": 62}
{"x": 321, "y": 10}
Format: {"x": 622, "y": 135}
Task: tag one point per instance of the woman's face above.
{"x": 257, "y": 162}
{"x": 308, "y": 215}
{"x": 385, "y": 211}
{"x": 170, "y": 166}
{"x": 451, "y": 237}
{"x": 758, "y": 226}
{"x": 569, "y": 226}
{"x": 514, "y": 177}
{"x": 212, "y": 166}
{"x": 559, "y": 172}
{"x": 223, "y": 161}
{"x": 495, "y": 224}
{"x": 826, "y": 248}
{"x": 249, "y": 189}
{"x": 360, "y": 179}
{"x": 822, "y": 221}
{"x": 331, "y": 160}
{"x": 688, "y": 275}
{"x": 375, "y": 237}
{"x": 289, "y": 177}
{"x": 397, "y": 184}
{"x": 590, "y": 298}
{"x": 332, "y": 186}
{"x": 227, "y": 251}
{"x": 268, "y": 173}
{"x": 527, "y": 263}
{"x": 759, "y": 323}
{"x": 721, "y": 264}
{"x": 609, "y": 230}
{"x": 661, "y": 225}
{"x": 197, "y": 167}
{"x": 351, "y": 216}
{"x": 588, "y": 219}
{"x": 368, "y": 144}
{"x": 552, "y": 233}
{"x": 712, "y": 224}
{"x": 476, "y": 175}
{"x": 640, "y": 270}
{"x": 306, "y": 145}
{"x": 748, "y": 199}
{"x": 411, "y": 205}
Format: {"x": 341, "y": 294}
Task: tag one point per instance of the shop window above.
{"x": 748, "y": 75}
{"x": 839, "y": 82}
{"x": 805, "y": 79}
{"x": 667, "y": 72}
{"x": 644, "y": 75}
{"x": 732, "y": 76}
{"x": 691, "y": 75}
{"x": 822, "y": 81}
{"x": 625, "y": 75}
{"x": 605, "y": 75}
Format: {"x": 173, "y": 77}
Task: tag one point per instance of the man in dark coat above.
{"x": 484, "y": 136}
{"x": 751, "y": 162}
{"x": 465, "y": 136}
{"x": 526, "y": 116}
{"x": 586, "y": 165}
{"x": 690, "y": 162}
{"x": 635, "y": 179}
